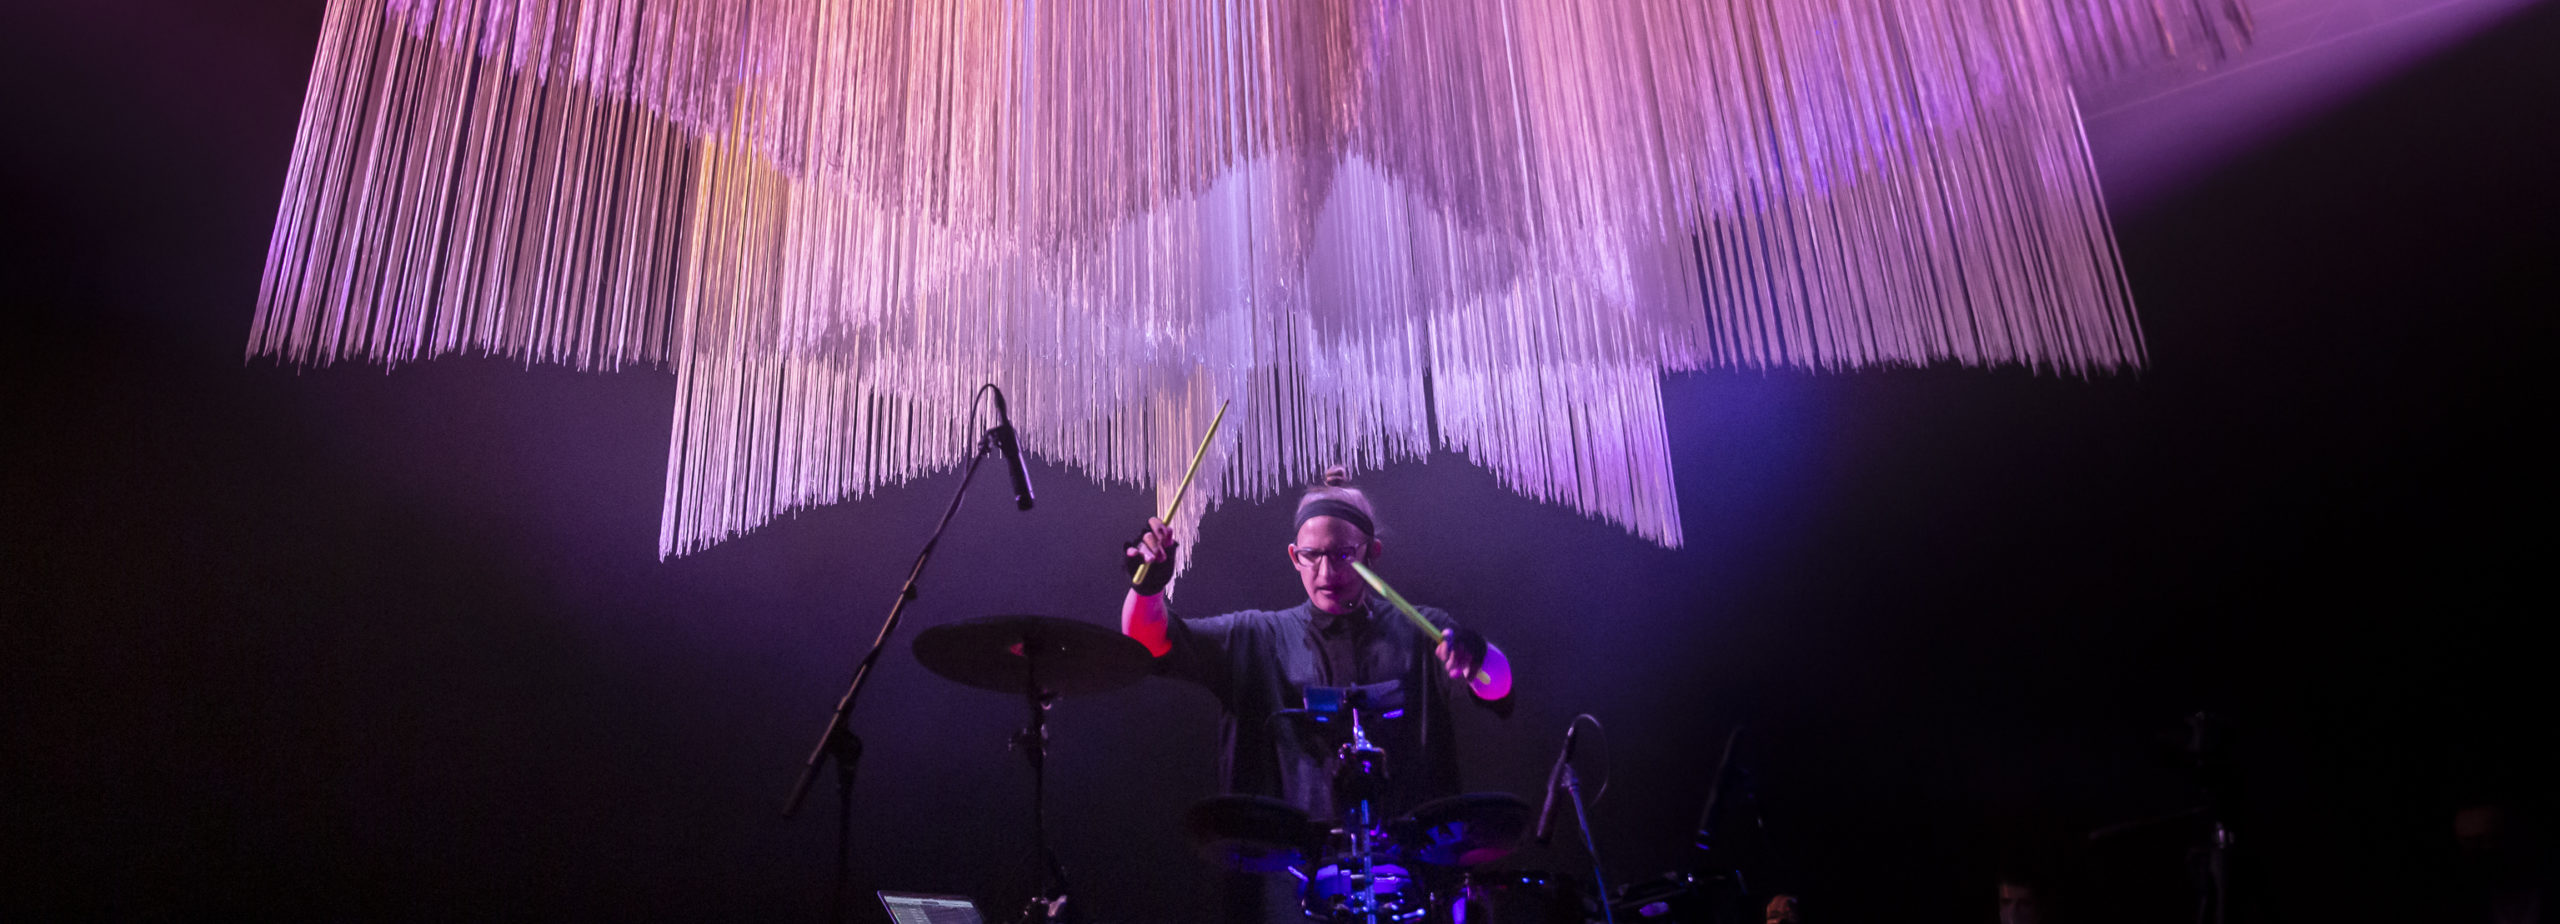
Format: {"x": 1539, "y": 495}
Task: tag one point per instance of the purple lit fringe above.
{"x": 834, "y": 218}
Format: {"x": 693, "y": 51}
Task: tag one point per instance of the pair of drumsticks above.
{"x": 1375, "y": 582}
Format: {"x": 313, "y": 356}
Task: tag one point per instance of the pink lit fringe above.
{"x": 1358, "y": 220}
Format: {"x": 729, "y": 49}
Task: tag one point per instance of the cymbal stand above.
{"x": 2209, "y": 745}
{"x": 1049, "y": 894}
{"x": 2209, "y": 862}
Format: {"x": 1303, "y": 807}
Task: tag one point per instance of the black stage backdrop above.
{"x": 348, "y": 644}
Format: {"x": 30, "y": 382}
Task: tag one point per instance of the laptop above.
{"x": 919, "y": 908}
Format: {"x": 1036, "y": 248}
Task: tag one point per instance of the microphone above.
{"x": 1555, "y": 781}
{"x": 1002, "y": 434}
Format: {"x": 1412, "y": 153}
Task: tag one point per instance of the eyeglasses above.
{"x": 1309, "y": 558}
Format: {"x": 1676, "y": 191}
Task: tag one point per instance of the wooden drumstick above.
{"x": 1183, "y": 489}
{"x": 1428, "y": 630}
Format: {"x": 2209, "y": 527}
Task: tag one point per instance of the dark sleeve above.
{"x": 1202, "y": 652}
{"x": 1439, "y": 619}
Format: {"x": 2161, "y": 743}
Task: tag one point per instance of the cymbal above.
{"x": 1254, "y": 834}
{"x": 1022, "y": 654}
{"x": 1465, "y": 830}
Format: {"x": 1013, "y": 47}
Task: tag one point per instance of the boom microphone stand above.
{"x": 838, "y": 740}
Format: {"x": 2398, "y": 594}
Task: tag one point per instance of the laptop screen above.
{"x": 918, "y": 908}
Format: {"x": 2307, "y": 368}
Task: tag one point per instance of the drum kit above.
{"x": 1430, "y": 864}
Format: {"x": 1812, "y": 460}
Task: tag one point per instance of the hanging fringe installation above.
{"x": 1496, "y": 223}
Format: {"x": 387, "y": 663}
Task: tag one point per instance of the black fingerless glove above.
{"x": 1156, "y": 577}
{"x": 1468, "y": 642}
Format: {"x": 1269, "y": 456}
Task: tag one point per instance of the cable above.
{"x": 974, "y": 398}
{"x": 1608, "y": 763}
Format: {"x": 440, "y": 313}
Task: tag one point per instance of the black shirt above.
{"x": 1260, "y": 662}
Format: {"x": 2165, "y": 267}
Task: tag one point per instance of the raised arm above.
{"x": 1142, "y": 614}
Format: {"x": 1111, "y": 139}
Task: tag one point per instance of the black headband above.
{"x": 1328, "y": 507}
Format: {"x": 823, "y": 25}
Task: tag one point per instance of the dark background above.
{"x": 344, "y": 644}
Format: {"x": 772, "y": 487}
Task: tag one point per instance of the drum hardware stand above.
{"x": 2212, "y": 871}
{"x": 1049, "y": 896}
{"x": 1040, "y": 659}
{"x": 1355, "y": 785}
{"x": 2208, "y": 744}
{"x": 838, "y": 742}
{"x": 2209, "y": 863}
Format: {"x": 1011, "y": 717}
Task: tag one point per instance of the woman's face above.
{"x": 1322, "y": 553}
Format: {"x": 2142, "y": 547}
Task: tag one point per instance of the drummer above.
{"x": 1342, "y": 637}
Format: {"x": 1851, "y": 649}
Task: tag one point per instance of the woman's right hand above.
{"x": 1153, "y": 549}
{"x": 1154, "y": 545}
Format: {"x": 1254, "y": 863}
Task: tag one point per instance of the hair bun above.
{"x": 1336, "y": 477}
